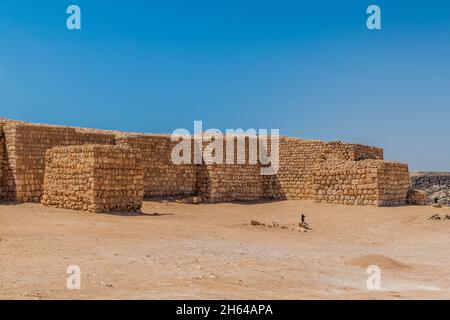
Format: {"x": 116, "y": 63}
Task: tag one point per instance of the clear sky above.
{"x": 309, "y": 68}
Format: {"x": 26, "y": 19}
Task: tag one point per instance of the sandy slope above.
{"x": 212, "y": 251}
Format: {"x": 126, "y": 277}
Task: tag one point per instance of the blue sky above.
{"x": 311, "y": 69}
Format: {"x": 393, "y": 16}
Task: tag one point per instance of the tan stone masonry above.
{"x": 308, "y": 169}
{"x": 98, "y": 178}
{"x": 162, "y": 177}
{"x": 365, "y": 182}
{"x": 25, "y": 146}
{"x": 298, "y": 160}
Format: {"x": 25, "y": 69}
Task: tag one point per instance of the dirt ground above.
{"x": 211, "y": 251}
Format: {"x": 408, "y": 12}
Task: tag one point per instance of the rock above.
{"x": 197, "y": 200}
{"x": 435, "y": 217}
{"x": 187, "y": 200}
{"x": 256, "y": 223}
{"x": 106, "y": 284}
{"x": 192, "y": 200}
{"x": 417, "y": 197}
{"x": 275, "y": 225}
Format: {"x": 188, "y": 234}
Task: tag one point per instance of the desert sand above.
{"x": 212, "y": 251}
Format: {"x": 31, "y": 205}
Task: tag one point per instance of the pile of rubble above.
{"x": 437, "y": 187}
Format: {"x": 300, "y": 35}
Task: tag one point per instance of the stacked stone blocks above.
{"x": 308, "y": 169}
{"x": 97, "y": 178}
{"x": 365, "y": 182}
{"x": 26, "y": 145}
{"x": 162, "y": 177}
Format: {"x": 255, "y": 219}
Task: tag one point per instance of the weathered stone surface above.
{"x": 97, "y": 178}
{"x": 25, "y": 146}
{"x": 300, "y": 160}
{"x": 437, "y": 187}
{"x": 230, "y": 182}
{"x": 417, "y": 197}
{"x": 162, "y": 177}
{"x": 365, "y": 182}
{"x": 334, "y": 172}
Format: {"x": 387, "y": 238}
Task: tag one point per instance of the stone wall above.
{"x": 297, "y": 162}
{"x": 219, "y": 183}
{"x": 393, "y": 182}
{"x": 417, "y": 197}
{"x": 25, "y": 144}
{"x": 365, "y": 182}
{"x": 97, "y": 178}
{"x": 25, "y": 147}
{"x": 239, "y": 181}
{"x": 362, "y": 152}
{"x": 162, "y": 178}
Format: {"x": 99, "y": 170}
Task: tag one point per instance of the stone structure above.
{"x": 334, "y": 172}
{"x": 417, "y": 197}
{"x": 366, "y": 182}
{"x": 298, "y": 160}
{"x": 162, "y": 178}
{"x": 230, "y": 182}
{"x": 25, "y": 147}
{"x": 435, "y": 185}
{"x": 97, "y": 178}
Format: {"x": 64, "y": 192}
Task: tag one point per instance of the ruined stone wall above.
{"x": 240, "y": 180}
{"x": 97, "y": 178}
{"x": 219, "y": 183}
{"x": 436, "y": 186}
{"x": 394, "y": 183}
{"x": 365, "y": 182}
{"x": 297, "y": 161}
{"x": 26, "y": 145}
{"x": 162, "y": 178}
{"x": 417, "y": 197}
{"x": 214, "y": 182}
{"x": 362, "y": 152}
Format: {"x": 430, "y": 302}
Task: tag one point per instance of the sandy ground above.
{"x": 211, "y": 251}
